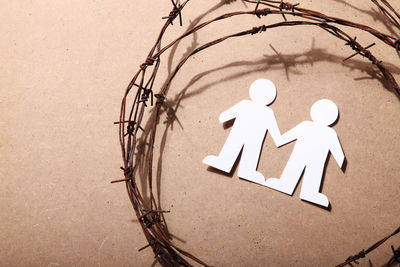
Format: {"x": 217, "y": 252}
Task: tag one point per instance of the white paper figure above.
{"x": 253, "y": 119}
{"x": 314, "y": 140}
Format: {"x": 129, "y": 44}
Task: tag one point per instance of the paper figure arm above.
{"x": 337, "y": 151}
{"x": 231, "y": 112}
{"x": 290, "y": 135}
{"x": 274, "y": 130}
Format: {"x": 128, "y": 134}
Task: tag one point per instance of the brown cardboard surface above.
{"x": 64, "y": 67}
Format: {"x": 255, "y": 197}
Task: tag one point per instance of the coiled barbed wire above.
{"x": 130, "y": 122}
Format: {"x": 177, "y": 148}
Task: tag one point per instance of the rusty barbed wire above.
{"x": 149, "y": 215}
{"x": 363, "y": 253}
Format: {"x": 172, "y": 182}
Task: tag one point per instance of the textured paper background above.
{"x": 64, "y": 67}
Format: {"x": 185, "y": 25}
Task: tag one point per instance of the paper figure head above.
{"x": 263, "y": 91}
{"x": 324, "y": 111}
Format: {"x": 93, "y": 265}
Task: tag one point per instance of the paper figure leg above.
{"x": 228, "y": 155}
{"x": 290, "y": 175}
{"x": 312, "y": 183}
{"x": 249, "y": 161}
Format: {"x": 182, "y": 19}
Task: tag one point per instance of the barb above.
{"x": 145, "y": 96}
{"x": 262, "y": 12}
{"x": 149, "y": 61}
{"x": 120, "y": 180}
{"x": 357, "y": 53}
{"x": 144, "y": 247}
{"x": 258, "y": 3}
{"x": 153, "y": 211}
{"x": 256, "y": 30}
{"x": 287, "y": 6}
{"x": 396, "y": 254}
{"x": 176, "y": 11}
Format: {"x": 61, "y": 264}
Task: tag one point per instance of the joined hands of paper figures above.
{"x": 315, "y": 139}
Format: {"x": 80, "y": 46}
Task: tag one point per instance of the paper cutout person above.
{"x": 252, "y": 120}
{"x": 314, "y": 140}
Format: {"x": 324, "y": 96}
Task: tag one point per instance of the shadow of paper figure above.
{"x": 315, "y": 139}
{"x": 252, "y": 121}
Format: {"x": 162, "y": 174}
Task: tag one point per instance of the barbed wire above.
{"x": 363, "y": 253}
{"x": 146, "y": 207}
